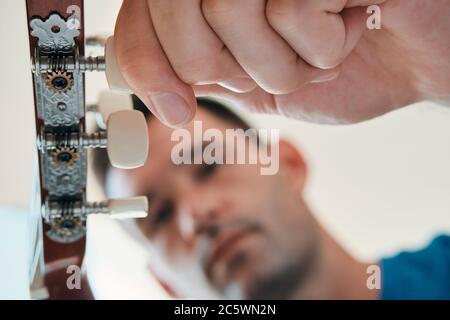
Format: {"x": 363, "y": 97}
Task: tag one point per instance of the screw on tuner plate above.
{"x": 126, "y": 140}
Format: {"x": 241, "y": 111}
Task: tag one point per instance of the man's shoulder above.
{"x": 421, "y": 274}
{"x": 441, "y": 242}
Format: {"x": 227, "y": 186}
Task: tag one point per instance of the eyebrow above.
{"x": 151, "y": 193}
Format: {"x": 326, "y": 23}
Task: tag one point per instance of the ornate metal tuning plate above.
{"x": 62, "y": 141}
{"x": 59, "y": 92}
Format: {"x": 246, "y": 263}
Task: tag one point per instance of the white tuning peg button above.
{"x": 127, "y": 139}
{"x": 114, "y": 77}
{"x": 136, "y": 207}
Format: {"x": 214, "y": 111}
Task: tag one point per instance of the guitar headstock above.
{"x": 57, "y": 47}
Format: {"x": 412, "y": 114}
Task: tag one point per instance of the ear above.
{"x": 292, "y": 163}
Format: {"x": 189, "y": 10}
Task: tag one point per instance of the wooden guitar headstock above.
{"x": 56, "y": 36}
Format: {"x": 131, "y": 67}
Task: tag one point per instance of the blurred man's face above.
{"x": 250, "y": 235}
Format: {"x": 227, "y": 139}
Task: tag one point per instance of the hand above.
{"x": 408, "y": 60}
{"x": 167, "y": 49}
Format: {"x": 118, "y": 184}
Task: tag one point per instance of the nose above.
{"x": 197, "y": 214}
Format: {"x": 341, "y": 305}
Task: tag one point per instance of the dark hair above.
{"x": 100, "y": 159}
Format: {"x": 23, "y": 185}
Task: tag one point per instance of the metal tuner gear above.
{"x": 66, "y": 228}
{"x": 65, "y": 155}
{"x": 59, "y": 81}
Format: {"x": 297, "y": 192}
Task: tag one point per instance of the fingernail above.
{"x": 239, "y": 85}
{"x": 172, "y": 108}
{"x": 326, "y": 76}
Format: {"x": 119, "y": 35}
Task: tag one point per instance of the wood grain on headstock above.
{"x": 43, "y": 8}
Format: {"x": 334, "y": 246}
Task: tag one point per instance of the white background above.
{"x": 378, "y": 186}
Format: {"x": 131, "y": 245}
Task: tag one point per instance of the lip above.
{"x": 226, "y": 246}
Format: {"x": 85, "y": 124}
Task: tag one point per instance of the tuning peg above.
{"x": 136, "y": 207}
{"x": 107, "y": 63}
{"x": 114, "y": 77}
{"x": 108, "y": 103}
{"x": 126, "y": 140}
{"x": 67, "y": 218}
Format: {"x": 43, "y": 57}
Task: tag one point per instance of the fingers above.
{"x": 165, "y": 48}
{"x": 195, "y": 52}
{"x": 257, "y": 100}
{"x": 320, "y": 31}
{"x": 146, "y": 68}
{"x": 263, "y": 54}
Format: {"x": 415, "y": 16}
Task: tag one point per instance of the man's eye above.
{"x": 163, "y": 214}
{"x": 206, "y": 170}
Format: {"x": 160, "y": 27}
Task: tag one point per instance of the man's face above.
{"x": 249, "y": 235}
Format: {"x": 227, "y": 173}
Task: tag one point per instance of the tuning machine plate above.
{"x": 58, "y": 74}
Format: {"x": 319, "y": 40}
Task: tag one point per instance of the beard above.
{"x": 282, "y": 282}
{"x": 269, "y": 271}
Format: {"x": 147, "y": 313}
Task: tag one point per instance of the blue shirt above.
{"x": 423, "y": 274}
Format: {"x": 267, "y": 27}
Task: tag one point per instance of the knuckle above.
{"x": 136, "y": 68}
{"x": 282, "y": 85}
{"x": 198, "y": 70}
{"x": 326, "y": 55}
{"x": 325, "y": 62}
{"x": 218, "y": 10}
{"x": 136, "y": 78}
{"x": 285, "y": 16}
{"x": 277, "y": 11}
